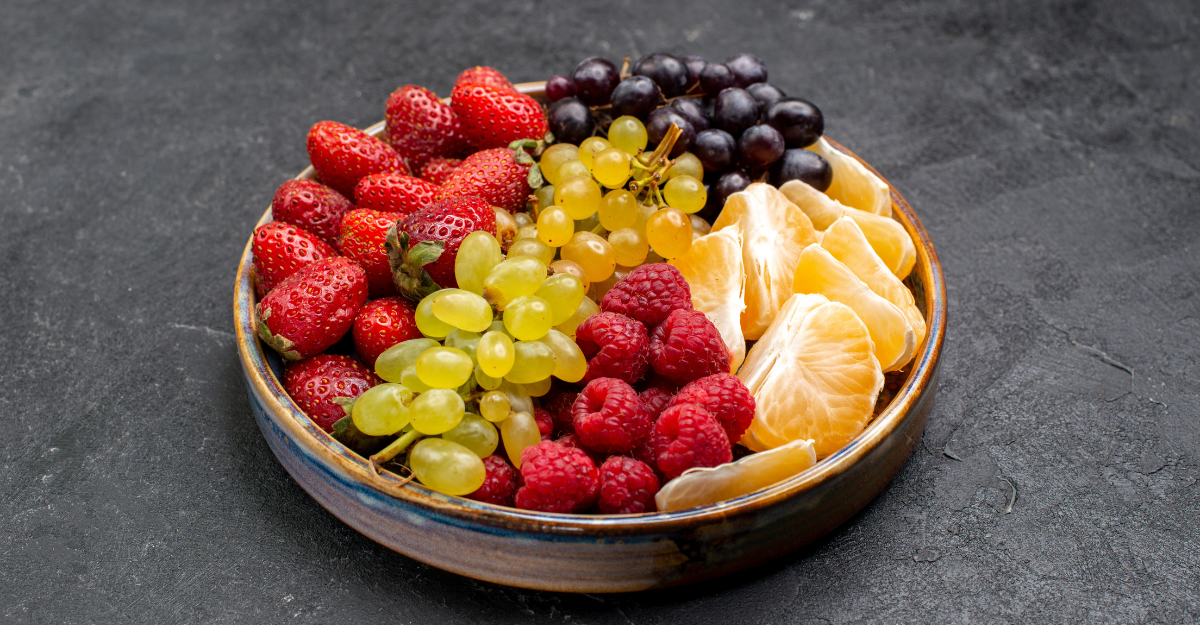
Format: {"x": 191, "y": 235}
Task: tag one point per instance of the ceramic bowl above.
{"x": 592, "y": 553}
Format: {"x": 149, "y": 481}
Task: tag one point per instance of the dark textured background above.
{"x": 1051, "y": 148}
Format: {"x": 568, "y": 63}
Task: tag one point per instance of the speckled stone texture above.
{"x": 1051, "y": 148}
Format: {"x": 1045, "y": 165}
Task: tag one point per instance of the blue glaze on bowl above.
{"x": 593, "y": 553}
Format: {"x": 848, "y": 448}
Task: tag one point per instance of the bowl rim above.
{"x": 302, "y": 431}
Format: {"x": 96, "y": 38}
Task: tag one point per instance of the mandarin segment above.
{"x": 853, "y": 184}
{"x": 713, "y": 269}
{"x": 813, "y": 376}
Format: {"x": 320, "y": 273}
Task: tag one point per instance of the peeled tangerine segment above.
{"x": 845, "y": 241}
{"x": 714, "y": 271}
{"x": 853, "y": 184}
{"x": 887, "y": 237}
{"x": 774, "y": 231}
{"x": 701, "y": 487}
{"x": 819, "y": 272}
{"x": 813, "y": 376}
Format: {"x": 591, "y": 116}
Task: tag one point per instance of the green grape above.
{"x": 446, "y": 466}
{"x": 444, "y": 367}
{"x": 466, "y": 341}
{"x": 586, "y": 309}
{"x": 518, "y": 397}
{"x": 475, "y": 433}
{"x": 600, "y": 288}
{"x": 436, "y": 411}
{"x": 382, "y": 410}
{"x": 611, "y": 168}
{"x": 393, "y": 360}
{"x": 495, "y": 354}
{"x": 526, "y": 232}
{"x": 629, "y": 246}
{"x": 569, "y": 363}
{"x": 533, "y": 248}
{"x": 570, "y": 169}
{"x": 593, "y": 253}
{"x": 427, "y": 322}
{"x": 519, "y": 431}
{"x": 545, "y": 196}
{"x": 538, "y": 389}
{"x": 628, "y": 133}
{"x": 513, "y": 278}
{"x": 618, "y": 209}
{"x": 494, "y": 407}
{"x": 554, "y": 157}
{"x": 588, "y": 225}
{"x": 528, "y": 318}
{"x": 579, "y": 196}
{"x": 686, "y": 164}
{"x": 645, "y": 212}
{"x": 409, "y": 378}
{"x": 485, "y": 381}
{"x": 563, "y": 292}
{"x": 555, "y": 227}
{"x": 506, "y": 228}
{"x": 533, "y": 362}
{"x": 571, "y": 267}
{"x": 477, "y": 254}
{"x": 462, "y": 309}
{"x": 588, "y": 148}
{"x": 498, "y": 326}
{"x": 523, "y": 219}
{"x": 699, "y": 225}
{"x": 685, "y": 193}
{"x": 669, "y": 232}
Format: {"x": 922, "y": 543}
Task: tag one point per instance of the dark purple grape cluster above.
{"x": 741, "y": 127}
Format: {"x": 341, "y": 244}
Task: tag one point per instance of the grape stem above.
{"x": 656, "y": 163}
{"x": 397, "y": 446}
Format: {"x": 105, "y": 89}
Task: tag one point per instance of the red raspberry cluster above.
{"x": 657, "y": 400}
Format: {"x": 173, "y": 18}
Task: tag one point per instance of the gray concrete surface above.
{"x": 1052, "y": 149}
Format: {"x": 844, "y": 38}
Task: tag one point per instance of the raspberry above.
{"x": 572, "y": 440}
{"x": 655, "y": 399}
{"x": 687, "y": 346}
{"x": 609, "y": 416}
{"x": 614, "y": 345}
{"x": 725, "y": 397}
{"x": 559, "y": 408}
{"x": 627, "y": 486}
{"x": 545, "y": 423}
{"x": 500, "y": 483}
{"x": 557, "y": 479}
{"x": 649, "y": 293}
{"x": 686, "y": 436}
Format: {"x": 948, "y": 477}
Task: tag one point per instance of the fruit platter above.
{"x": 632, "y": 327}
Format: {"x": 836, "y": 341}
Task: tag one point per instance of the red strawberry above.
{"x": 394, "y": 193}
{"x": 381, "y": 324}
{"x": 438, "y": 169}
{"x": 312, "y": 308}
{"x": 493, "y": 175}
{"x": 420, "y": 126}
{"x": 317, "y": 383}
{"x": 363, "y": 234}
{"x": 312, "y": 206}
{"x": 343, "y": 155}
{"x": 422, "y": 246}
{"x": 481, "y": 75}
{"x": 280, "y": 250}
{"x": 494, "y": 118}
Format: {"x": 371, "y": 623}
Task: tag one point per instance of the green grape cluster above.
{"x": 454, "y": 396}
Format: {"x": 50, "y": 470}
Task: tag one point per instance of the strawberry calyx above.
{"x": 408, "y": 263}
{"x": 279, "y": 343}
{"x": 524, "y": 151}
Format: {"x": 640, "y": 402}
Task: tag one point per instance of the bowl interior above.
{"x": 265, "y": 371}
